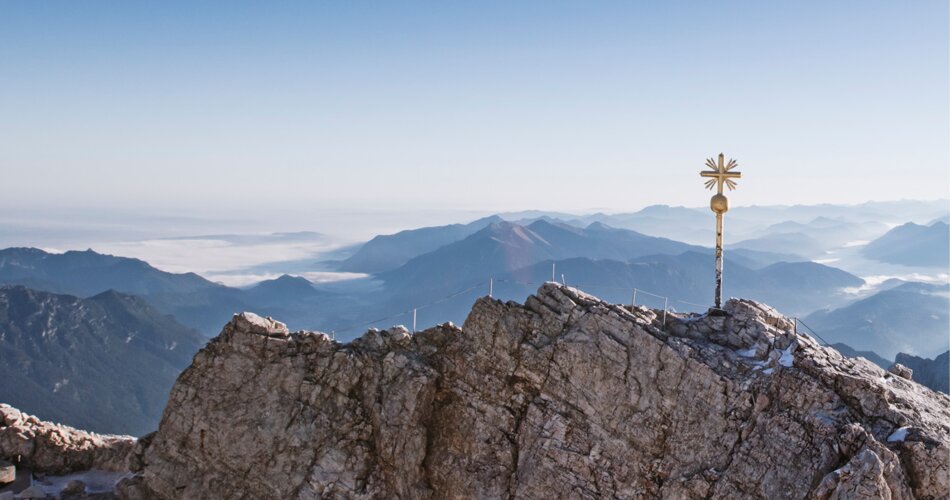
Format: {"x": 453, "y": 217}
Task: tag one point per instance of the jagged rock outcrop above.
{"x": 51, "y": 448}
{"x": 933, "y": 373}
{"x": 564, "y": 396}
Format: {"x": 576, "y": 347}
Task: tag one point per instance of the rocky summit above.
{"x": 565, "y": 396}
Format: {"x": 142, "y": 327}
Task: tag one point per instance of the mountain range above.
{"x": 830, "y": 224}
{"x": 85, "y": 273}
{"x": 933, "y": 373}
{"x": 191, "y": 299}
{"x": 911, "y": 318}
{"x": 685, "y": 278}
{"x": 814, "y": 238}
{"x": 610, "y": 260}
{"x": 505, "y": 247}
{"x": 387, "y": 252}
{"x": 422, "y": 277}
{"x": 105, "y": 363}
{"x": 913, "y": 245}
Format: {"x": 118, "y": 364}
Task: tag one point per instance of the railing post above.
{"x": 666, "y": 304}
{"x": 491, "y": 286}
{"x": 413, "y": 320}
{"x": 553, "y": 275}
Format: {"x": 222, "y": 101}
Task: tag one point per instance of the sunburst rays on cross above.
{"x": 721, "y": 173}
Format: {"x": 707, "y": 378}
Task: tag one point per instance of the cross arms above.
{"x": 720, "y": 177}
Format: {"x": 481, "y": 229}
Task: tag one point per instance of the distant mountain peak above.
{"x": 653, "y": 209}
{"x": 911, "y": 244}
{"x": 510, "y": 233}
{"x": 283, "y": 289}
{"x": 286, "y": 280}
{"x": 821, "y": 219}
{"x": 600, "y": 226}
{"x": 292, "y": 278}
{"x": 488, "y": 220}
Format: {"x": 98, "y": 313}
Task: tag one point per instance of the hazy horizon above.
{"x": 348, "y": 225}
{"x": 240, "y": 252}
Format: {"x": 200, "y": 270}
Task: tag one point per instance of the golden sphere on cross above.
{"x": 719, "y": 203}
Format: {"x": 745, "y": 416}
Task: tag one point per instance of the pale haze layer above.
{"x": 203, "y": 108}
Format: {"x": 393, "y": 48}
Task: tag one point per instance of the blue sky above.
{"x": 203, "y": 107}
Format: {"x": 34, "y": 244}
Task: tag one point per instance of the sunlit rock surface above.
{"x": 49, "y": 448}
{"x": 564, "y": 396}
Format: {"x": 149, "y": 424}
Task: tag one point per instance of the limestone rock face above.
{"x": 57, "y": 449}
{"x": 565, "y": 396}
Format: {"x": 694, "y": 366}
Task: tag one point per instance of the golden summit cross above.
{"x": 720, "y": 173}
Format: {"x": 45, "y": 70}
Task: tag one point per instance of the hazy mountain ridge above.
{"x": 504, "y": 250}
{"x": 86, "y": 273}
{"x": 505, "y": 247}
{"x": 104, "y": 363}
{"x": 910, "y": 318}
{"x": 871, "y": 356}
{"x": 687, "y": 277}
{"x": 510, "y": 252}
{"x": 193, "y": 300}
{"x": 282, "y": 289}
{"x": 825, "y": 225}
{"x": 933, "y": 373}
{"x": 913, "y": 245}
{"x": 386, "y": 252}
{"x": 824, "y": 233}
{"x": 692, "y": 224}
{"x": 797, "y": 243}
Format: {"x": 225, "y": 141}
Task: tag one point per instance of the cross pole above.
{"x": 719, "y": 175}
